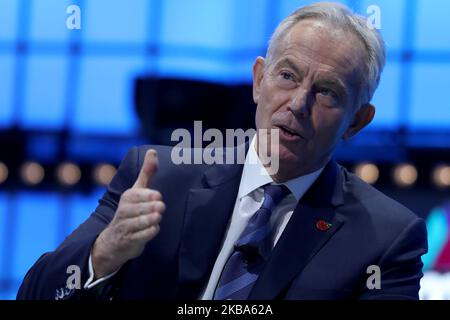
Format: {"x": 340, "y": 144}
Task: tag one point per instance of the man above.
{"x": 310, "y": 230}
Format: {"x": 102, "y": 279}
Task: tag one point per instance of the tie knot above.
{"x": 273, "y": 194}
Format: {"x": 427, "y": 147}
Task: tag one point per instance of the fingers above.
{"x": 136, "y": 195}
{"x": 145, "y": 221}
{"x": 132, "y": 210}
{"x": 136, "y": 220}
{"x": 146, "y": 234}
{"x": 148, "y": 170}
{"x": 138, "y": 215}
{"x": 137, "y": 224}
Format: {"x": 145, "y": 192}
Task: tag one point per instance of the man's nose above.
{"x": 300, "y": 103}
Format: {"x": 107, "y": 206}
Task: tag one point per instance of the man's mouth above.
{"x": 289, "y": 133}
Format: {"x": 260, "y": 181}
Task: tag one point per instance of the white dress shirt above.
{"x": 248, "y": 201}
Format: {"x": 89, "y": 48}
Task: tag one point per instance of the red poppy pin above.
{"x": 323, "y": 225}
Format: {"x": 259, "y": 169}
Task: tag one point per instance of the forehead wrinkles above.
{"x": 314, "y": 42}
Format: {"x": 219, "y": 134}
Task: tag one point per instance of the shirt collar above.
{"x": 254, "y": 176}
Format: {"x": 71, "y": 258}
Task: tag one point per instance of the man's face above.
{"x": 310, "y": 92}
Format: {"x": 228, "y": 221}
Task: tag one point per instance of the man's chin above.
{"x": 287, "y": 161}
{"x": 286, "y": 155}
{"x": 294, "y": 164}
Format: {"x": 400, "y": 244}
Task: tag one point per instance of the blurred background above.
{"x": 73, "y": 101}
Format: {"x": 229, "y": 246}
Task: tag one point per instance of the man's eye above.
{"x": 327, "y": 92}
{"x": 286, "y": 76}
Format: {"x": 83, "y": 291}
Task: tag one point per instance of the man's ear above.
{"x": 258, "y": 73}
{"x": 361, "y": 119}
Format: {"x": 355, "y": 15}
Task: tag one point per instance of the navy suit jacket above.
{"x": 368, "y": 228}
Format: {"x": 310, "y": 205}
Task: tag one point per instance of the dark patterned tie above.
{"x": 251, "y": 250}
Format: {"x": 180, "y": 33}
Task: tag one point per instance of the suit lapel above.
{"x": 302, "y": 239}
{"x": 208, "y": 211}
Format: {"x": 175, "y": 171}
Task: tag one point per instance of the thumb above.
{"x": 148, "y": 170}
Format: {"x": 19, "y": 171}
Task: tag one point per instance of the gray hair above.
{"x": 342, "y": 17}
